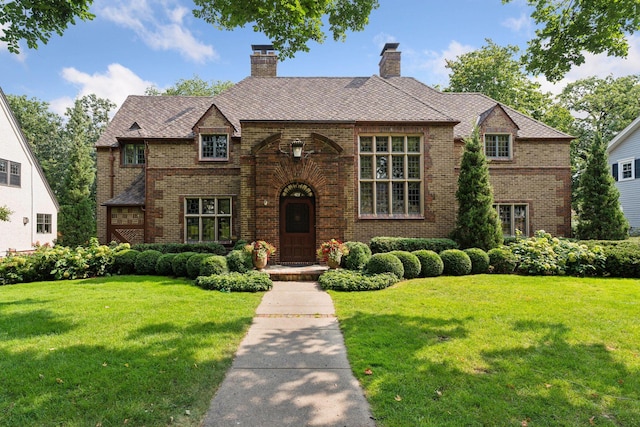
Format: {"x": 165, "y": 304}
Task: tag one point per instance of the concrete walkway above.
{"x": 291, "y": 369}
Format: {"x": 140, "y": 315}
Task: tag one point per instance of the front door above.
{"x": 297, "y": 229}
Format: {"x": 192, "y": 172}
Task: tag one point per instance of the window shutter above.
{"x": 614, "y": 171}
{"x": 637, "y": 168}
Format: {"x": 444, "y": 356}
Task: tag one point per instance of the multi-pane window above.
{"x": 14, "y": 174}
{"x": 133, "y": 154}
{"x": 513, "y": 217}
{"x": 390, "y": 175}
{"x": 214, "y": 147}
{"x": 4, "y": 171}
{"x": 207, "y": 219}
{"x": 43, "y": 223}
{"x": 625, "y": 169}
{"x": 10, "y": 173}
{"x": 497, "y": 146}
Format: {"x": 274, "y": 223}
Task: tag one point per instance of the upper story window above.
{"x": 497, "y": 146}
{"x": 10, "y": 173}
{"x": 133, "y": 154}
{"x": 390, "y": 175}
{"x": 43, "y": 223}
{"x": 626, "y": 169}
{"x": 214, "y": 147}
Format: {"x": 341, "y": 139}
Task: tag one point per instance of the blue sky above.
{"x": 134, "y": 44}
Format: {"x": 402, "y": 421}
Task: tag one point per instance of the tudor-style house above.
{"x": 300, "y": 160}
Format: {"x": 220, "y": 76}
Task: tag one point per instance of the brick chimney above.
{"x": 264, "y": 62}
{"x": 390, "y": 62}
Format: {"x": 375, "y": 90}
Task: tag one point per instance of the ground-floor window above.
{"x": 207, "y": 219}
{"x": 43, "y": 223}
{"x": 513, "y": 217}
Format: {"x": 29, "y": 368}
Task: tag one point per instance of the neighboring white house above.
{"x": 624, "y": 159}
{"x": 23, "y": 189}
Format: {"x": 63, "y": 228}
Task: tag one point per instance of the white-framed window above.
{"x": 214, "y": 147}
{"x": 4, "y": 171}
{"x": 43, "y": 223}
{"x": 497, "y": 146}
{"x": 133, "y": 154}
{"x": 626, "y": 169}
{"x": 207, "y": 219}
{"x": 390, "y": 175}
{"x": 513, "y": 216}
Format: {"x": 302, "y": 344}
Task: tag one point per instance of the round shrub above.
{"x": 240, "y": 244}
{"x": 385, "y": 263}
{"x": 146, "y": 262}
{"x": 358, "y": 256}
{"x": 348, "y": 280}
{"x": 502, "y": 261}
{"x": 456, "y": 262}
{"x": 163, "y": 265}
{"x": 410, "y": 263}
{"x": 430, "y": 262}
{"x": 213, "y": 264}
{"x": 179, "y": 263}
{"x": 479, "y": 260}
{"x": 240, "y": 261}
{"x": 252, "y": 281}
{"x": 124, "y": 262}
{"x": 193, "y": 264}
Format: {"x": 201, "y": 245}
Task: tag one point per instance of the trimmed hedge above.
{"x": 502, "y": 261}
{"x": 348, "y": 280}
{"x": 193, "y": 264}
{"x": 388, "y": 244}
{"x": 213, "y": 264}
{"x": 358, "y": 256}
{"x": 179, "y": 263}
{"x": 163, "y": 265}
{"x": 385, "y": 263}
{"x": 623, "y": 260}
{"x": 410, "y": 263}
{"x": 456, "y": 262}
{"x": 124, "y": 262}
{"x": 251, "y": 281}
{"x": 479, "y": 260}
{"x": 174, "y": 248}
{"x": 431, "y": 264}
{"x": 146, "y": 262}
{"x": 240, "y": 261}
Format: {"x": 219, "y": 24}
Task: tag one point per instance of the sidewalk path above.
{"x": 291, "y": 369}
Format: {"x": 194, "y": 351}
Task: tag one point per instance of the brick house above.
{"x": 299, "y": 160}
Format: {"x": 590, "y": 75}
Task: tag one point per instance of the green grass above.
{"x": 130, "y": 350}
{"x": 492, "y": 350}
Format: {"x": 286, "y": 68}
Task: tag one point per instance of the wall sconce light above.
{"x": 25, "y": 220}
{"x": 296, "y": 148}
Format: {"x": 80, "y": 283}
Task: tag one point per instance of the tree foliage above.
{"x": 195, "y": 86}
{"x": 5, "y": 213}
{"x": 477, "y": 223}
{"x": 569, "y": 28}
{"x": 34, "y": 21}
{"x": 598, "y": 207}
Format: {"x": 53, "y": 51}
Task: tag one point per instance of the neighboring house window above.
{"x": 513, "y": 217}
{"x": 43, "y": 223}
{"x": 497, "y": 146}
{"x": 133, "y": 154}
{"x": 4, "y": 171}
{"x": 14, "y": 174}
{"x": 390, "y": 175}
{"x": 626, "y": 169}
{"x": 214, "y": 147}
{"x": 207, "y": 219}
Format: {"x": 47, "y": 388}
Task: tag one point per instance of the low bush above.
{"x": 163, "y": 265}
{"x": 358, "y": 256}
{"x": 622, "y": 260}
{"x": 239, "y": 260}
{"x": 431, "y": 264}
{"x": 348, "y": 280}
{"x": 146, "y": 262}
{"x": 16, "y": 269}
{"x": 388, "y": 244}
{"x": 456, "y": 262}
{"x": 193, "y": 264}
{"x": 385, "y": 263}
{"x": 124, "y": 262}
{"x": 208, "y": 248}
{"x": 179, "y": 263}
{"x": 169, "y": 248}
{"x": 252, "y": 281}
{"x": 479, "y": 260}
{"x": 213, "y": 264}
{"x": 410, "y": 263}
{"x": 502, "y": 261}
{"x": 240, "y": 244}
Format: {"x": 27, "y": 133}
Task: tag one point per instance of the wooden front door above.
{"x": 297, "y": 229}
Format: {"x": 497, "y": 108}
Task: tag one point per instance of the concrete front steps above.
{"x": 285, "y": 273}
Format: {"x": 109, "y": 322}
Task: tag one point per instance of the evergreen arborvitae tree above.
{"x": 599, "y": 213}
{"x": 477, "y": 224}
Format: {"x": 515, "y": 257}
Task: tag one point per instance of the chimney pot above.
{"x": 264, "y": 61}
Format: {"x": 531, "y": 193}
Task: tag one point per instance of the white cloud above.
{"x": 115, "y": 84}
{"x": 523, "y": 23}
{"x": 434, "y": 62}
{"x": 160, "y": 26}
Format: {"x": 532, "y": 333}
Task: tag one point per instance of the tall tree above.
{"x": 598, "y": 207}
{"x": 477, "y": 223}
{"x": 195, "y": 86}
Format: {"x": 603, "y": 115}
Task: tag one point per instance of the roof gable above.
{"x": 624, "y": 134}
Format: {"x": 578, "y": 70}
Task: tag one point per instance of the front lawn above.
{"x": 128, "y": 350}
{"x": 494, "y": 350}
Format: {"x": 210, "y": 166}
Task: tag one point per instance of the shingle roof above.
{"x": 356, "y": 99}
{"x": 133, "y": 195}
